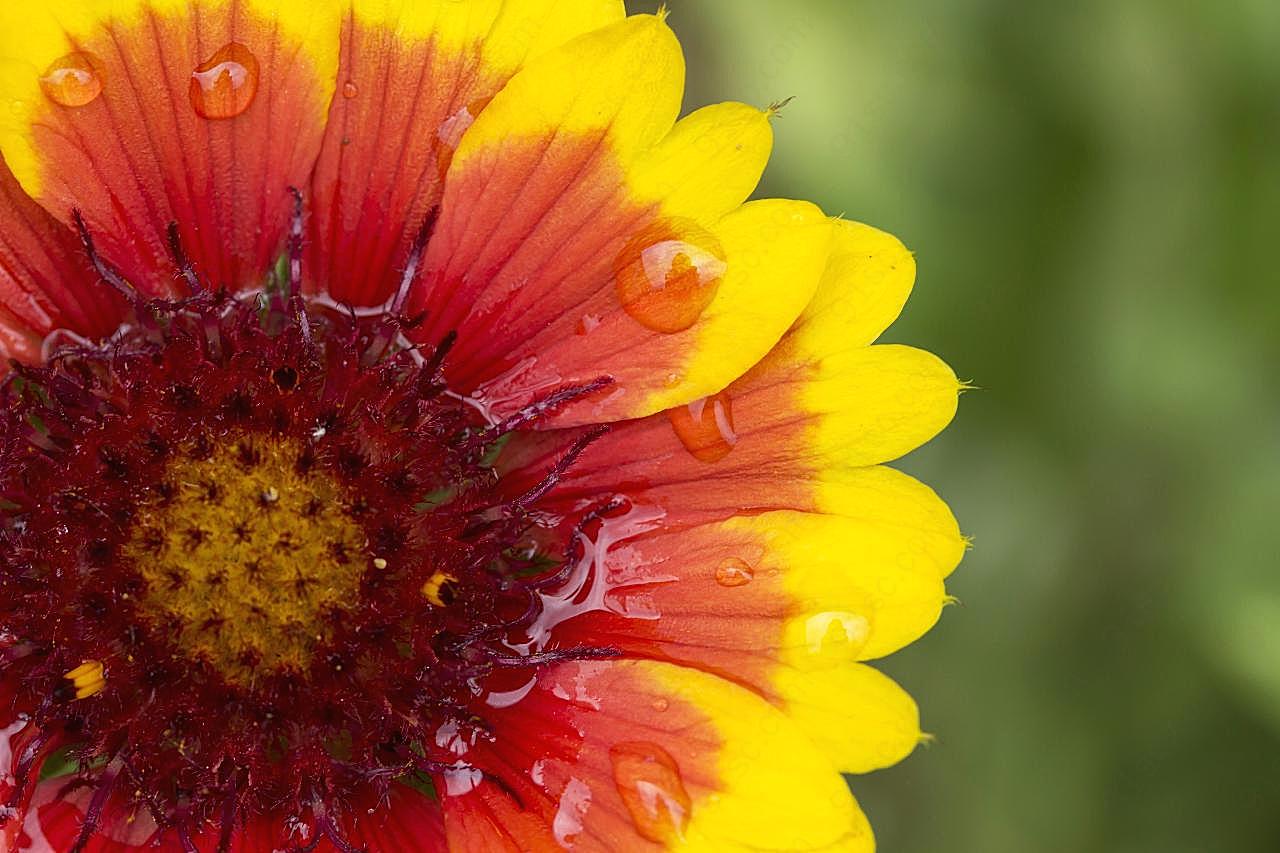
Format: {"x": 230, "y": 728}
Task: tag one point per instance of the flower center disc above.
{"x": 247, "y": 556}
{"x": 252, "y": 541}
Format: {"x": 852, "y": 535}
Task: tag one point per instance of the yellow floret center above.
{"x": 248, "y": 557}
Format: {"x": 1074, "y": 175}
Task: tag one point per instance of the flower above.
{"x": 413, "y": 439}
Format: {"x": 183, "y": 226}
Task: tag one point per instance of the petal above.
{"x": 564, "y": 220}
{"x": 44, "y": 281}
{"x": 55, "y": 817}
{"x": 15, "y": 737}
{"x": 643, "y": 755}
{"x": 412, "y": 78}
{"x": 747, "y": 596}
{"x": 791, "y": 432}
{"x": 865, "y": 286}
{"x": 874, "y": 404}
{"x": 859, "y": 718}
{"x": 708, "y": 164}
{"x": 104, "y": 98}
{"x": 409, "y": 820}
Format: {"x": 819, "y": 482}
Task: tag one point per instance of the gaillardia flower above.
{"x": 412, "y": 439}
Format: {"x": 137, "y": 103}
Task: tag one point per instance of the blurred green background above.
{"x": 1093, "y": 193}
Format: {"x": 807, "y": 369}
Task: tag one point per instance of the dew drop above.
{"x": 571, "y": 813}
{"x": 350, "y": 90}
{"x": 705, "y": 427}
{"x": 461, "y": 779}
{"x": 507, "y": 698}
{"x": 450, "y": 132}
{"x": 734, "y": 572}
{"x": 648, "y": 781}
{"x": 836, "y": 634}
{"x": 74, "y": 80}
{"x": 225, "y": 84}
{"x": 668, "y": 275}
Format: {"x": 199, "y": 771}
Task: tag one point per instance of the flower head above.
{"x": 412, "y": 438}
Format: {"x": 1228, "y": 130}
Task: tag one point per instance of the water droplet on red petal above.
{"x": 734, "y": 572}
{"x": 350, "y": 90}
{"x": 668, "y": 275}
{"x": 705, "y": 427}
{"x": 224, "y": 85}
{"x": 73, "y": 80}
{"x": 649, "y": 783}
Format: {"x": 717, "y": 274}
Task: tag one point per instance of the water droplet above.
{"x": 590, "y": 587}
{"x": 734, "y": 572}
{"x": 507, "y": 698}
{"x": 350, "y": 90}
{"x": 836, "y": 634}
{"x": 705, "y": 427}
{"x": 668, "y": 275}
{"x": 450, "y": 738}
{"x": 661, "y": 704}
{"x": 461, "y": 779}
{"x": 450, "y": 132}
{"x": 648, "y": 781}
{"x": 225, "y": 84}
{"x": 572, "y": 810}
{"x": 74, "y": 80}
{"x": 588, "y": 324}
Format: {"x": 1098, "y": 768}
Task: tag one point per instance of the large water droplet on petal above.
{"x": 837, "y": 634}
{"x": 74, "y": 80}
{"x": 668, "y": 275}
{"x": 734, "y": 572}
{"x": 705, "y": 427}
{"x": 648, "y": 781}
{"x": 225, "y": 84}
{"x": 350, "y": 89}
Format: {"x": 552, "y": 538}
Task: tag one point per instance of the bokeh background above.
{"x": 1093, "y": 193}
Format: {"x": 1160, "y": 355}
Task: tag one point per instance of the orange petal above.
{"x": 198, "y": 113}
{"x": 569, "y": 247}
{"x": 795, "y": 430}
{"x": 413, "y": 77}
{"x": 45, "y": 283}
{"x": 637, "y": 755}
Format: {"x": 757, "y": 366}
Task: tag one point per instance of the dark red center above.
{"x": 254, "y": 560}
